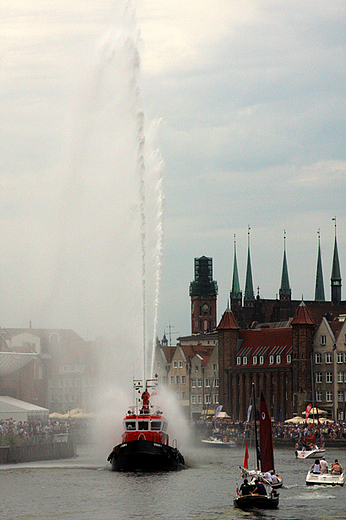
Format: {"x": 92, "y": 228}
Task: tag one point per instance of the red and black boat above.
{"x": 145, "y": 441}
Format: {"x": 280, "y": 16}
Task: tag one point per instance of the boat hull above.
{"x": 257, "y": 502}
{"x": 324, "y": 479}
{"x": 310, "y": 454}
{"x": 218, "y": 443}
{"x": 143, "y": 455}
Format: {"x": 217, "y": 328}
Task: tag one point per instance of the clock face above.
{"x": 205, "y": 307}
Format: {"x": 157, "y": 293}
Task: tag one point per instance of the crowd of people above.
{"x": 237, "y": 430}
{"x": 25, "y": 432}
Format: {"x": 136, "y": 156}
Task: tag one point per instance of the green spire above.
{"x": 249, "y": 294}
{"x": 319, "y": 288}
{"x": 285, "y": 290}
{"x": 235, "y": 292}
{"x": 335, "y": 279}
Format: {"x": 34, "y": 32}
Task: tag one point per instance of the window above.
{"x": 172, "y": 380}
{"x": 340, "y": 396}
{"x": 340, "y": 377}
{"x": 177, "y": 380}
{"x": 155, "y": 425}
{"x": 183, "y": 380}
{"x": 254, "y": 360}
{"x": 318, "y": 377}
{"x": 323, "y": 339}
{"x": 207, "y": 383}
{"x": 215, "y": 367}
{"x": 216, "y": 383}
{"x": 197, "y": 368}
{"x": 238, "y": 360}
{"x": 244, "y": 360}
{"x": 339, "y": 357}
{"x": 207, "y": 399}
{"x": 344, "y": 357}
{"x": 318, "y": 358}
{"x": 183, "y": 395}
{"x": 319, "y": 396}
{"x": 261, "y": 360}
{"x": 328, "y": 358}
{"x": 216, "y": 399}
{"x": 193, "y": 383}
{"x": 199, "y": 383}
{"x": 199, "y": 398}
{"x": 278, "y": 359}
{"x": 130, "y": 425}
{"x": 180, "y": 364}
{"x": 329, "y": 396}
{"x": 271, "y": 359}
{"x": 329, "y": 377}
{"x": 175, "y": 364}
{"x": 193, "y": 399}
{"x": 289, "y": 358}
{"x": 345, "y": 344}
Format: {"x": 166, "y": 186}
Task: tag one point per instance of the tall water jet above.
{"x": 111, "y": 241}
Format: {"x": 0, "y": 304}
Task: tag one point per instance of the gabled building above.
{"x": 61, "y": 375}
{"x": 330, "y": 367}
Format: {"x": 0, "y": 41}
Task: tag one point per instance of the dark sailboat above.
{"x": 265, "y": 461}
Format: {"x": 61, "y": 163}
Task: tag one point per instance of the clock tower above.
{"x": 203, "y": 294}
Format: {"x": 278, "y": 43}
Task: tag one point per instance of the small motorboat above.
{"x": 331, "y": 475}
{"x": 310, "y": 453}
{"x": 145, "y": 441}
{"x": 218, "y": 443}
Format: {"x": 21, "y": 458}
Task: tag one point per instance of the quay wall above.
{"x": 36, "y": 452}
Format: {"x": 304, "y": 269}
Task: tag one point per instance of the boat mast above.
{"x": 256, "y": 438}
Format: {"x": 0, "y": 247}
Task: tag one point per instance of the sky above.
{"x": 244, "y": 110}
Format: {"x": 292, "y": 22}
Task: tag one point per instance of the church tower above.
{"x": 319, "y": 288}
{"x": 285, "y": 290}
{"x": 249, "y": 296}
{"x": 335, "y": 279}
{"x": 236, "y": 294}
{"x": 203, "y": 294}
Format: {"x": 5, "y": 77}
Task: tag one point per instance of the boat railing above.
{"x": 137, "y": 410}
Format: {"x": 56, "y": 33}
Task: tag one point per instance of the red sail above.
{"x": 266, "y": 438}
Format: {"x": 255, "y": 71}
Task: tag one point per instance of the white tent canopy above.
{"x": 20, "y": 410}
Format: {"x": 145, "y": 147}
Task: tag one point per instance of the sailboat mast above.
{"x": 256, "y": 438}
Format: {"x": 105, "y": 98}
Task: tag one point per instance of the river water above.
{"x": 84, "y": 488}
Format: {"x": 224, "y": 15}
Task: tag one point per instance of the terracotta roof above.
{"x": 228, "y": 321}
{"x": 266, "y": 342}
{"x": 303, "y": 316}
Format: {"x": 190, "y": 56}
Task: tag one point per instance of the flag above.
{"x": 246, "y": 458}
{"x": 218, "y": 410}
{"x": 307, "y": 411}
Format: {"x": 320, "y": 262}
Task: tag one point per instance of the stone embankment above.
{"x": 62, "y": 448}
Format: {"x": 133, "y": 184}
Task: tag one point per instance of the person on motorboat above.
{"x": 245, "y": 488}
{"x": 323, "y": 465}
{"x": 316, "y": 468}
{"x": 336, "y": 468}
{"x": 259, "y": 488}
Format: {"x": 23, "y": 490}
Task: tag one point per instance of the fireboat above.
{"x": 145, "y": 441}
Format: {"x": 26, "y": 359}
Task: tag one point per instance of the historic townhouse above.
{"x": 330, "y": 366}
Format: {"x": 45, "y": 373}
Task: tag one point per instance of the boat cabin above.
{"x": 147, "y": 427}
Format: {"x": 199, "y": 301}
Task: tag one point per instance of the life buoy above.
{"x": 141, "y": 437}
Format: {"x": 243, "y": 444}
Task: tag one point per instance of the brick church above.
{"x": 265, "y": 342}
